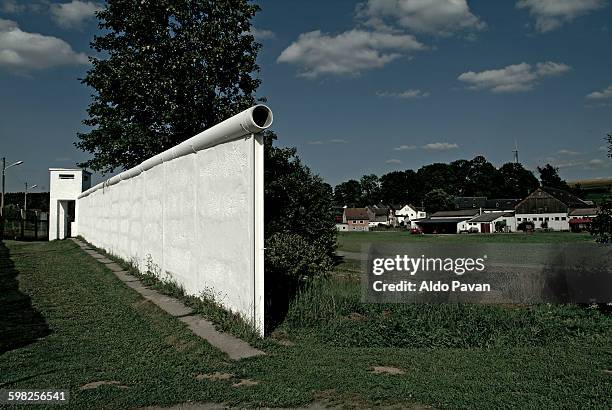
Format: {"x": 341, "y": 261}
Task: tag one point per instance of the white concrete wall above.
{"x": 194, "y": 219}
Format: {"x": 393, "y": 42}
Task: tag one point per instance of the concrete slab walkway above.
{"x": 235, "y": 348}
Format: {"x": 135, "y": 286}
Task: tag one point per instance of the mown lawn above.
{"x": 70, "y": 322}
{"x": 352, "y": 241}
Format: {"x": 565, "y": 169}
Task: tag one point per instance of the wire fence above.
{"x": 31, "y": 226}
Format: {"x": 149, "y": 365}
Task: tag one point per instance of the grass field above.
{"x": 67, "y": 321}
{"x": 352, "y": 241}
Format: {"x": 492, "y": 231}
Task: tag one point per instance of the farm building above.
{"x": 488, "y": 223}
{"x": 446, "y": 221}
{"x": 548, "y": 208}
{"x": 580, "y": 218}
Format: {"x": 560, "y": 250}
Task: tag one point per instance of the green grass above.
{"x": 352, "y": 241}
{"x": 98, "y": 329}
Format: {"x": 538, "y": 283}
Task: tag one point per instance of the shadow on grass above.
{"x": 20, "y": 323}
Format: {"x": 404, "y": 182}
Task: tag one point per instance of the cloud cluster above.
{"x": 408, "y": 94}
{"x": 585, "y": 164}
{"x": 440, "y": 146}
{"x": 551, "y": 14}
{"x": 405, "y": 147}
{"x": 262, "y": 34}
{"x": 20, "y": 50}
{"x": 351, "y": 52}
{"x": 330, "y": 141}
{"x": 73, "y": 14}
{"x": 512, "y": 78}
{"x": 432, "y": 146}
{"x": 568, "y": 152}
{"x": 601, "y": 95}
{"x": 437, "y": 17}
{"x": 380, "y": 37}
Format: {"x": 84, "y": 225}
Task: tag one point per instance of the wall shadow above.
{"x": 20, "y": 323}
{"x": 280, "y": 291}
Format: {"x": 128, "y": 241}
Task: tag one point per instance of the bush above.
{"x": 293, "y": 257}
{"x": 601, "y": 227}
{"x": 300, "y": 229}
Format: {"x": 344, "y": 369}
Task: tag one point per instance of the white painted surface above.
{"x": 408, "y": 213}
{"x": 60, "y": 191}
{"x": 192, "y": 214}
{"x": 556, "y": 221}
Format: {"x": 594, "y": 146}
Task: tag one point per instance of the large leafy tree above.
{"x": 299, "y": 227}
{"x": 348, "y": 193}
{"x": 516, "y": 181}
{"x": 399, "y": 187}
{"x": 438, "y": 200}
{"x": 549, "y": 176}
{"x": 166, "y": 70}
{"x": 481, "y": 179}
{"x": 437, "y": 176}
{"x": 370, "y": 189}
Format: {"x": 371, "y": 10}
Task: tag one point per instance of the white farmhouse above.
{"x": 409, "y": 213}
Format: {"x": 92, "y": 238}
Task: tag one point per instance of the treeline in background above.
{"x": 436, "y": 184}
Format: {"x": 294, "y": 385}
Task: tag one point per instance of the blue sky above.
{"x": 357, "y": 87}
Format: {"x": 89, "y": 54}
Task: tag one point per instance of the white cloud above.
{"x": 11, "y": 7}
{"x": 351, "y": 52}
{"x": 550, "y": 68}
{"x": 568, "y": 152}
{"x": 602, "y": 148}
{"x": 513, "y": 78}
{"x": 393, "y": 161}
{"x": 408, "y": 94}
{"x": 439, "y": 17}
{"x": 440, "y": 146}
{"x": 23, "y": 51}
{"x": 551, "y": 14}
{"x": 596, "y": 162}
{"x": 404, "y": 147}
{"x": 73, "y": 14}
{"x": 262, "y": 34}
{"x": 601, "y": 95}
{"x": 330, "y": 141}
{"x": 592, "y": 164}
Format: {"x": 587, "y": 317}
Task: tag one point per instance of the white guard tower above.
{"x": 64, "y": 188}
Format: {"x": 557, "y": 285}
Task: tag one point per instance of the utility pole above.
{"x": 4, "y": 168}
{"x": 25, "y": 198}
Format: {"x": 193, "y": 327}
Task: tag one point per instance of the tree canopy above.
{"x": 475, "y": 177}
{"x": 165, "y": 71}
{"x": 549, "y": 176}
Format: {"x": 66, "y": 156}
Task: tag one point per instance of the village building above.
{"x": 407, "y": 213}
{"x": 490, "y": 222}
{"x": 356, "y": 219}
{"x": 580, "y": 219}
{"x": 549, "y": 208}
{"x": 446, "y": 221}
{"x": 380, "y": 215}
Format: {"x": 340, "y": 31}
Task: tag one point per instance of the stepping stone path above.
{"x": 235, "y": 348}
